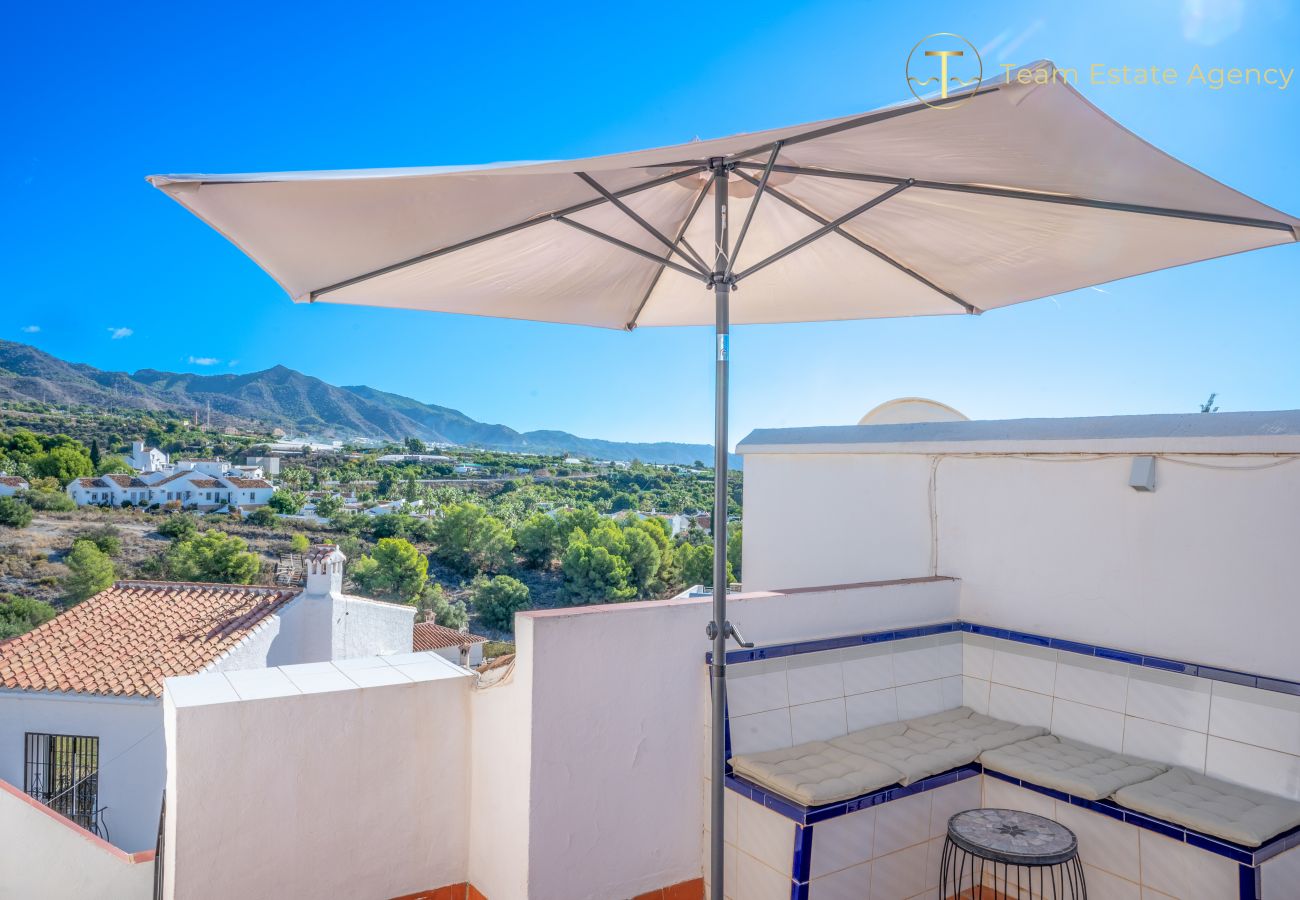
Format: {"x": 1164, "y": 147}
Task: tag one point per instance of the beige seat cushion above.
{"x": 914, "y": 753}
{"x": 1069, "y": 766}
{"x": 815, "y": 773}
{"x": 965, "y": 726}
{"x": 1215, "y": 807}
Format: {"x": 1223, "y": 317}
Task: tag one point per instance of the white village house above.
{"x": 146, "y": 459}
{"x": 81, "y": 711}
{"x": 12, "y": 484}
{"x": 207, "y": 488}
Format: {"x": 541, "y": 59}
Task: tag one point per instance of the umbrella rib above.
{"x": 681, "y": 236}
{"x": 632, "y": 214}
{"x": 853, "y": 239}
{"x": 749, "y": 214}
{"x": 631, "y": 248}
{"x": 1035, "y": 196}
{"x": 503, "y": 232}
{"x": 827, "y": 228}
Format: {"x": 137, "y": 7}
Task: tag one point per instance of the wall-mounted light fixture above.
{"x": 1142, "y": 477}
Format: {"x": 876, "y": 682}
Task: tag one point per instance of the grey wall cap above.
{"x": 1229, "y": 432}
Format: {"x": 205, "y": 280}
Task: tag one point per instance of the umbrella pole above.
{"x": 718, "y": 628}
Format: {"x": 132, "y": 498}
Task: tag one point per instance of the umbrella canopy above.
{"x": 1022, "y": 191}
{"x": 993, "y": 196}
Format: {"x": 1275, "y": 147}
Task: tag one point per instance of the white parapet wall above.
{"x": 617, "y": 700}
{"x": 347, "y": 779}
{"x": 1038, "y": 520}
{"x": 44, "y": 855}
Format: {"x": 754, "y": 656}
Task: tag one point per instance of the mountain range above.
{"x": 299, "y": 404}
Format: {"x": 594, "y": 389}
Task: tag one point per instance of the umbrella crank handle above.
{"x": 728, "y": 631}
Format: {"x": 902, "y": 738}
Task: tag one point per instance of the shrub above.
{"x": 106, "y": 537}
{"x": 14, "y": 513}
{"x": 299, "y": 543}
{"x": 90, "y": 571}
{"x": 213, "y": 556}
{"x": 48, "y": 501}
{"x": 179, "y": 527}
{"x": 19, "y": 615}
{"x": 263, "y": 516}
{"x": 497, "y": 600}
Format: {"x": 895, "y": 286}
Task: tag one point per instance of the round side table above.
{"x": 1019, "y": 849}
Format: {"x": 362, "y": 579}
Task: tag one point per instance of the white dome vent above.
{"x": 909, "y": 410}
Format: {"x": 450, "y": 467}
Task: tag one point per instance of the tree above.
{"x": 540, "y": 540}
{"x": 106, "y": 537}
{"x": 697, "y": 564}
{"x": 299, "y": 543}
{"x": 1208, "y": 406}
{"x": 48, "y": 500}
{"x": 213, "y": 556}
{"x": 733, "y": 552}
{"x": 400, "y": 569}
{"x": 286, "y": 503}
{"x": 497, "y": 600}
{"x": 414, "y": 445}
{"x": 642, "y": 555}
{"x": 263, "y": 517}
{"x": 447, "y": 613}
{"x": 19, "y": 615}
{"x": 329, "y": 506}
{"x": 113, "y": 464}
{"x": 14, "y": 513}
{"x": 94, "y": 453}
{"x": 593, "y": 573}
{"x": 471, "y": 540}
{"x": 179, "y": 527}
{"x": 89, "y": 571}
{"x": 63, "y": 463}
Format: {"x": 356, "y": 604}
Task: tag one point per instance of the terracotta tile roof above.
{"x": 186, "y": 473}
{"x": 92, "y": 482}
{"x": 125, "y": 480}
{"x": 13, "y": 481}
{"x": 206, "y": 483}
{"x": 127, "y": 639}
{"x": 428, "y": 636}
{"x": 248, "y": 482}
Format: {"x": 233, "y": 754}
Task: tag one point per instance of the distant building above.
{"x": 392, "y": 458}
{"x": 87, "y": 685}
{"x": 146, "y": 459}
{"x": 190, "y": 488}
{"x": 270, "y": 465}
{"x": 459, "y": 647}
{"x": 468, "y": 469}
{"x": 12, "y": 484}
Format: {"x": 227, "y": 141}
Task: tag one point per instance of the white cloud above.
{"x": 204, "y": 360}
{"x": 119, "y": 333}
{"x": 31, "y": 329}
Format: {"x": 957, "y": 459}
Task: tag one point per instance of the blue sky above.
{"x": 115, "y": 275}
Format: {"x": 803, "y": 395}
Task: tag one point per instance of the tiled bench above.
{"x": 883, "y": 843}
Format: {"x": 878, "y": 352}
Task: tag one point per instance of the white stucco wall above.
{"x": 362, "y": 627}
{"x": 1060, "y": 544}
{"x": 131, "y": 753}
{"x": 619, "y": 698}
{"x": 43, "y": 855}
{"x": 346, "y": 780}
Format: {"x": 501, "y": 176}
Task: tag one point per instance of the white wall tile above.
{"x": 815, "y": 676}
{"x": 951, "y": 799}
{"x": 922, "y": 699}
{"x": 846, "y": 884}
{"x": 1182, "y": 870}
{"x": 755, "y": 881}
{"x": 1016, "y": 705}
{"x": 869, "y": 668}
{"x": 1026, "y": 666}
{"x": 1164, "y": 743}
{"x": 1105, "y": 886}
{"x": 843, "y": 842}
{"x": 818, "y": 721}
{"x": 977, "y": 657}
{"x": 998, "y": 793}
{"x": 1257, "y": 767}
{"x": 1099, "y": 727}
{"x": 1251, "y": 716}
{"x": 761, "y": 731}
{"x": 1103, "y": 842}
{"x": 953, "y": 691}
{"x": 975, "y": 693}
{"x": 917, "y": 662}
{"x": 1169, "y": 697}
{"x": 759, "y": 692}
{"x": 1280, "y": 875}
{"x": 902, "y": 823}
{"x": 951, "y": 654}
{"x": 766, "y": 836}
{"x": 1095, "y": 682}
{"x": 874, "y": 708}
{"x": 899, "y": 875}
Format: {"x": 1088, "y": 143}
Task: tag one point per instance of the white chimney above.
{"x": 325, "y": 570}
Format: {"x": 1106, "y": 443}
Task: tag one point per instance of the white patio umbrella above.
{"x": 996, "y": 195}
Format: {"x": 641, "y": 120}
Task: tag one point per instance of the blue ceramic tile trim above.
{"x": 1214, "y": 673}
{"x": 802, "y": 867}
{"x": 810, "y": 815}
